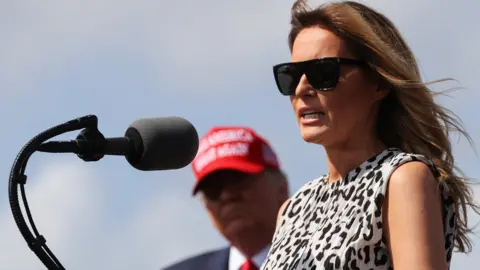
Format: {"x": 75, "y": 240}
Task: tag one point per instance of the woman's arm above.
{"x": 413, "y": 219}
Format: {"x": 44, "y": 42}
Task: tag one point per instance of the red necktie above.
{"x": 248, "y": 265}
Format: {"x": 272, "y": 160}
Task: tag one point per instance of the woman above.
{"x": 391, "y": 198}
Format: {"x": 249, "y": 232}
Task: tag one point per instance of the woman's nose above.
{"x": 304, "y": 88}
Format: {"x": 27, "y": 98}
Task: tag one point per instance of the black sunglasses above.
{"x": 322, "y": 74}
{"x": 213, "y": 184}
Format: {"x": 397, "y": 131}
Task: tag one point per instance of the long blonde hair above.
{"x": 409, "y": 118}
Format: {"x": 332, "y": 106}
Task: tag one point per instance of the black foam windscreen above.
{"x": 162, "y": 143}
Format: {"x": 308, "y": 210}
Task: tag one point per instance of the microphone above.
{"x": 149, "y": 144}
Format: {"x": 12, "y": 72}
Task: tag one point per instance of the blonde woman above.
{"x": 391, "y": 198}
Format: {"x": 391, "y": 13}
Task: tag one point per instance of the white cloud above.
{"x": 65, "y": 205}
{"x": 72, "y": 208}
{"x": 204, "y": 39}
{"x": 164, "y": 229}
{"x": 209, "y": 42}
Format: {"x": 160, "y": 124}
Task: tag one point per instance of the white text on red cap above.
{"x": 224, "y": 136}
{"x": 234, "y": 142}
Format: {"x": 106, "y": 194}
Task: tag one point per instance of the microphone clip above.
{"x": 91, "y": 143}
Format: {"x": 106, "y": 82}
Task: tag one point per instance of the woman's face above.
{"x": 347, "y": 111}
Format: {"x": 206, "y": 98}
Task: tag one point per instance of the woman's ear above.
{"x": 382, "y": 91}
{"x": 383, "y": 87}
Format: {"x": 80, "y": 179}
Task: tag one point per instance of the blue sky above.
{"x": 207, "y": 61}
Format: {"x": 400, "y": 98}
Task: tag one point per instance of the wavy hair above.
{"x": 408, "y": 117}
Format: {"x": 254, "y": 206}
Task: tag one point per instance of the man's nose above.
{"x": 229, "y": 192}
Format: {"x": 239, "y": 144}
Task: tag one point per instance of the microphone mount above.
{"x": 90, "y": 145}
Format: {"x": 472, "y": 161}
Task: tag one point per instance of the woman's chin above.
{"x": 313, "y": 134}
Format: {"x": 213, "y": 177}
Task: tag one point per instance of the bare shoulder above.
{"x": 413, "y": 192}
{"x": 413, "y": 176}
{"x": 413, "y": 218}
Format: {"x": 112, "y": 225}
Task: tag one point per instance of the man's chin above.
{"x": 239, "y": 228}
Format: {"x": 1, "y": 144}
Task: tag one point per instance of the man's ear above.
{"x": 284, "y": 190}
{"x": 201, "y": 198}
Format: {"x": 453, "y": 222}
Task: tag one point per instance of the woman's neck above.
{"x": 343, "y": 158}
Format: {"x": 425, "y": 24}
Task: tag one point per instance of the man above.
{"x": 242, "y": 187}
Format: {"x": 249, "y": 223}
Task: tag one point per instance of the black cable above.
{"x": 36, "y": 241}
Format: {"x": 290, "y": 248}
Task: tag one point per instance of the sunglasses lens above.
{"x": 287, "y": 77}
{"x": 323, "y": 75}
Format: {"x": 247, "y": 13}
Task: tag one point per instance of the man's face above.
{"x": 243, "y": 205}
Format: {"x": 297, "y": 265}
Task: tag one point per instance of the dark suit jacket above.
{"x": 212, "y": 260}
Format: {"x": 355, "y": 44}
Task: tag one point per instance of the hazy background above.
{"x": 208, "y": 61}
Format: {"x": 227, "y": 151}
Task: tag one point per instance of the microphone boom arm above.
{"x": 91, "y": 150}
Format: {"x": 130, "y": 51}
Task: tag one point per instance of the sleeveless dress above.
{"x": 339, "y": 225}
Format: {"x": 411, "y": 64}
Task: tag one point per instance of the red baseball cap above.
{"x": 232, "y": 148}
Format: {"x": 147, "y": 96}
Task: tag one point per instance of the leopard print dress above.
{"x": 339, "y": 225}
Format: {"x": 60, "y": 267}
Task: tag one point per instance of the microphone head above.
{"x": 163, "y": 143}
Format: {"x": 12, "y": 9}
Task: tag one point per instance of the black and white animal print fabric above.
{"x": 339, "y": 225}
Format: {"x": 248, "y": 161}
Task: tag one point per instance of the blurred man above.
{"x": 242, "y": 187}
